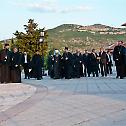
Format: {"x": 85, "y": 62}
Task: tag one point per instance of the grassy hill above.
{"x": 69, "y": 35}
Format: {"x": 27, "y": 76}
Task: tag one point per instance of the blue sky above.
{"x": 51, "y": 13}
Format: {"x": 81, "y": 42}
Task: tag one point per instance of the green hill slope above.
{"x": 70, "y": 35}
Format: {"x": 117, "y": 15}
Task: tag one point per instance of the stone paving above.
{"x": 12, "y": 94}
{"x": 75, "y": 102}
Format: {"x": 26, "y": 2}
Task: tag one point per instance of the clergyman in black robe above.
{"x": 36, "y": 64}
{"x": 77, "y": 64}
{"x": 119, "y": 58}
{"x": 57, "y": 64}
{"x": 5, "y": 62}
{"x": 67, "y": 62}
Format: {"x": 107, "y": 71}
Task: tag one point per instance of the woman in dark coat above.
{"x": 15, "y": 66}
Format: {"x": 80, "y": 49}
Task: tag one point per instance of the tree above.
{"x": 1, "y": 45}
{"x": 30, "y": 41}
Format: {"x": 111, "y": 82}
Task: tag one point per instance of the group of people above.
{"x": 68, "y": 65}
{"x": 75, "y": 65}
{"x": 9, "y": 65}
{"x": 12, "y": 62}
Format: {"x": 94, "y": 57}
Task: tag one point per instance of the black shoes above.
{"x": 120, "y": 77}
{"x": 117, "y": 76}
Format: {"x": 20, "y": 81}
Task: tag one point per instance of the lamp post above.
{"x": 41, "y": 41}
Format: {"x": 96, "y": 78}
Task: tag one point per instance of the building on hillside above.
{"x": 93, "y": 28}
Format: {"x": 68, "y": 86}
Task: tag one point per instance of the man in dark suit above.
{"x": 26, "y": 64}
{"x": 50, "y": 65}
{"x": 86, "y": 63}
{"x": 103, "y": 62}
{"x": 5, "y": 62}
{"x": 109, "y": 63}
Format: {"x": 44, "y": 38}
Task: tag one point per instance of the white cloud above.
{"x": 76, "y": 9}
{"x": 43, "y": 7}
{"x": 51, "y": 1}
{"x": 52, "y": 6}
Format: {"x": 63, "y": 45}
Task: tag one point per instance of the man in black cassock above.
{"x": 5, "y": 62}
{"x": 77, "y": 64}
{"x": 15, "y": 66}
{"x": 37, "y": 65}
{"x": 67, "y": 63}
{"x": 125, "y": 61}
{"x": 119, "y": 58}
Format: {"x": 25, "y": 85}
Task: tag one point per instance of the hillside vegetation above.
{"x": 77, "y": 36}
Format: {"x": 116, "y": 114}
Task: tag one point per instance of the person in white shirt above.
{"x": 109, "y": 63}
{"x": 26, "y": 64}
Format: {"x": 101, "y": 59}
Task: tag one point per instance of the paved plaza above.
{"x": 75, "y": 102}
